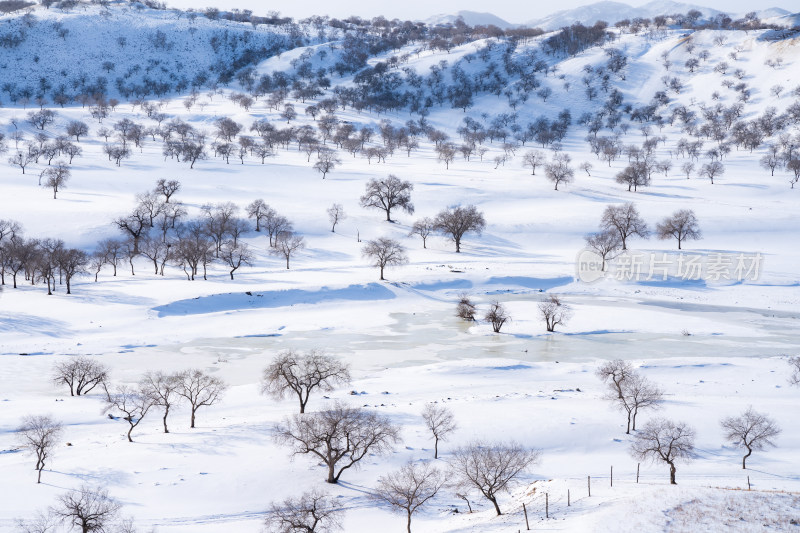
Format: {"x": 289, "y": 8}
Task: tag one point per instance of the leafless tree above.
{"x": 455, "y": 222}
{"x": 56, "y": 177}
{"x": 276, "y": 226}
{"x": 533, "y": 159}
{"x": 327, "y": 160}
{"x": 167, "y": 188}
{"x": 162, "y": 389}
{"x": 293, "y": 373}
{"x": 440, "y": 421}
{"x": 586, "y": 167}
{"x": 554, "y": 312}
{"x": 465, "y": 309}
{"x": 81, "y": 375}
{"x": 614, "y": 373}
{"x": 286, "y": 244}
{"x": 664, "y": 440}
{"x": 751, "y": 430}
{"x": 388, "y": 193}
{"x": 42, "y": 522}
{"x": 712, "y": 170}
{"x": 794, "y": 363}
{"x": 312, "y": 512}
{"x": 340, "y": 436}
{"x": 687, "y": 169}
{"x": 87, "y": 510}
{"x": 605, "y": 244}
{"x": 258, "y": 210}
{"x": 39, "y": 435}
{"x": 218, "y": 219}
{"x": 423, "y": 227}
{"x": 199, "y": 389}
{"x": 625, "y": 220}
{"x": 76, "y": 128}
{"x": 236, "y": 255}
{"x": 22, "y": 159}
{"x": 133, "y": 402}
{"x": 496, "y": 316}
{"x": 384, "y": 252}
{"x": 637, "y": 393}
{"x": 682, "y": 225}
{"x": 559, "y": 171}
{"x": 490, "y": 468}
{"x": 406, "y": 490}
{"x": 335, "y": 215}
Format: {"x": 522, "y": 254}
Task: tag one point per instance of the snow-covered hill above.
{"x": 472, "y": 18}
{"x": 611, "y": 12}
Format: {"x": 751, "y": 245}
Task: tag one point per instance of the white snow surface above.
{"x": 401, "y": 338}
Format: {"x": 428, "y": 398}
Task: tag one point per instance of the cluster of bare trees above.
{"x": 453, "y": 223}
{"x": 155, "y": 389}
{"x": 621, "y": 222}
{"x": 552, "y": 309}
{"x": 38, "y": 260}
{"x": 665, "y": 440}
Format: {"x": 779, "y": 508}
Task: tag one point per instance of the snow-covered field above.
{"x": 715, "y": 348}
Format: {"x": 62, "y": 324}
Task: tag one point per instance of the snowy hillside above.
{"x": 612, "y": 12}
{"x": 168, "y": 229}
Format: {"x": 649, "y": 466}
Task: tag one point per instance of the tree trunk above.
{"x": 672, "y": 473}
{"x": 331, "y": 476}
{"x": 166, "y": 413}
{"x": 628, "y": 431}
{"x": 744, "y": 459}
{"x": 381, "y": 272}
{"x": 408, "y": 522}
{"x": 436, "y": 448}
{"x": 130, "y": 430}
{"x": 39, "y": 479}
{"x": 193, "y": 411}
{"x": 496, "y": 507}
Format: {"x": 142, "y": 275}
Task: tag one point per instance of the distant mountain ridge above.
{"x": 471, "y": 18}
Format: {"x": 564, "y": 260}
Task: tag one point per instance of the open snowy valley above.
{"x": 561, "y": 248}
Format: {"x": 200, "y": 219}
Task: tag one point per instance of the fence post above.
{"x": 567, "y": 497}
{"x": 589, "y": 484}
{"x": 637, "y": 472}
{"x": 748, "y": 482}
{"x": 525, "y": 510}
{"x": 546, "y": 505}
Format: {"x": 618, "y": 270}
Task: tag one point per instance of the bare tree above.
{"x": 490, "y": 468}
{"x": 236, "y": 255}
{"x": 41, "y": 523}
{"x": 440, "y": 421}
{"x": 199, "y": 389}
{"x": 384, "y": 252}
{"x": 559, "y": 171}
{"x": 276, "y": 226}
{"x": 422, "y": 227}
{"x": 76, "y": 128}
{"x": 682, "y": 225}
{"x": 465, "y": 309}
{"x": 335, "y": 215}
{"x": 687, "y": 169}
{"x": 80, "y": 374}
{"x": 794, "y": 363}
{"x": 533, "y": 159}
{"x": 751, "y": 430}
{"x": 312, "y": 512}
{"x": 455, "y": 222}
{"x": 388, "y": 193}
{"x": 162, "y": 389}
{"x": 586, "y": 167}
{"x": 637, "y": 393}
{"x": 712, "y": 170}
{"x": 554, "y": 312}
{"x": 133, "y": 403}
{"x": 496, "y": 316}
{"x": 614, "y": 373}
{"x": 340, "y": 436}
{"x": 167, "y": 188}
{"x": 286, "y": 244}
{"x": 259, "y": 210}
{"x": 326, "y": 161}
{"x": 40, "y": 434}
{"x": 664, "y": 440}
{"x": 293, "y": 373}
{"x": 625, "y": 220}
{"x": 87, "y": 510}
{"x": 605, "y": 244}
{"x": 406, "y": 490}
